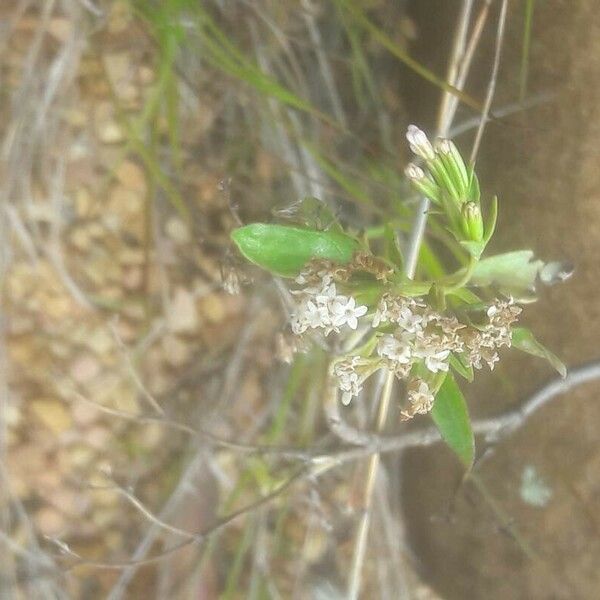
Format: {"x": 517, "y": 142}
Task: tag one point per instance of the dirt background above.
{"x": 545, "y": 168}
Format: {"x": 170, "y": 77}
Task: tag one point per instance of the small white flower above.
{"x": 420, "y": 399}
{"x": 326, "y": 294}
{"x": 345, "y": 312}
{"x": 436, "y": 361}
{"x": 381, "y": 314}
{"x": 316, "y": 316}
{"x": 395, "y": 350}
{"x": 349, "y": 381}
{"x": 419, "y": 143}
{"x": 409, "y": 321}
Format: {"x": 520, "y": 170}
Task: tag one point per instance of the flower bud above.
{"x": 454, "y": 165}
{"x": 421, "y": 182}
{"x": 419, "y": 143}
{"x": 472, "y": 221}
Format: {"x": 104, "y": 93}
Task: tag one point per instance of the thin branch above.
{"x": 360, "y": 546}
{"x": 283, "y": 451}
{"x": 195, "y": 538}
{"x": 492, "y": 429}
{"x": 493, "y": 79}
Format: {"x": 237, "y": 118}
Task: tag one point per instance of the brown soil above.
{"x": 544, "y": 166}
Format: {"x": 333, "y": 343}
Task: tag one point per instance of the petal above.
{"x": 360, "y": 311}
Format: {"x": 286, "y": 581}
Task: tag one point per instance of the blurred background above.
{"x": 135, "y": 387}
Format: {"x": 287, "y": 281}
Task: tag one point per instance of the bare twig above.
{"x": 493, "y": 78}
{"x": 360, "y": 546}
{"x": 193, "y": 538}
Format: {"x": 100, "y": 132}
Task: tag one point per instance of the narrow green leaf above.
{"x": 524, "y": 340}
{"x": 527, "y": 27}
{"x": 451, "y": 416}
{"x": 355, "y": 9}
{"x": 285, "y": 250}
{"x": 490, "y": 225}
{"x": 466, "y": 296}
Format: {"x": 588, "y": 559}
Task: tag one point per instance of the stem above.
{"x": 464, "y": 277}
{"x": 360, "y": 546}
{"x": 445, "y": 118}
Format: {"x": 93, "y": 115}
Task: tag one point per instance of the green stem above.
{"x": 465, "y": 276}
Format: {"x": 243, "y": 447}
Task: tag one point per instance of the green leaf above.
{"x": 466, "y": 296}
{"x": 284, "y": 250}
{"x": 459, "y": 366}
{"x": 490, "y": 224}
{"x": 524, "y": 340}
{"x": 451, "y": 417}
{"x": 514, "y": 273}
{"x": 474, "y": 191}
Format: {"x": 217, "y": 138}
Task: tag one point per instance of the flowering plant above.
{"x": 351, "y": 289}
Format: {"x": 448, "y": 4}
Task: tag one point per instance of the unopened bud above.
{"x": 454, "y": 164}
{"x": 472, "y": 221}
{"x": 413, "y": 172}
{"x": 419, "y": 143}
{"x": 421, "y": 182}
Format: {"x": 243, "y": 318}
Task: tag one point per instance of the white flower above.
{"x": 420, "y": 399}
{"x": 435, "y": 361}
{"x": 419, "y": 143}
{"x": 349, "y": 381}
{"x": 316, "y": 316}
{"x": 409, "y": 321}
{"x": 326, "y": 294}
{"x": 345, "y": 312}
{"x": 381, "y": 314}
{"x": 395, "y": 350}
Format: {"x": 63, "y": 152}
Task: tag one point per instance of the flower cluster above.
{"x": 319, "y": 306}
{"x": 417, "y": 342}
{"x": 420, "y": 335}
{"x": 481, "y": 344}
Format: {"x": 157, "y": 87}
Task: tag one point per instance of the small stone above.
{"x": 119, "y": 71}
{"x": 177, "y": 230}
{"x": 76, "y": 117}
{"x": 109, "y": 132}
{"x": 52, "y": 413}
{"x": 213, "y": 308}
{"x": 60, "y": 29}
{"x": 132, "y": 176}
{"x": 49, "y": 521}
{"x": 100, "y": 341}
{"x": 132, "y": 278}
{"x": 103, "y": 517}
{"x": 146, "y": 75}
{"x": 98, "y": 437}
{"x": 84, "y": 414}
{"x": 183, "y": 316}
{"x": 80, "y": 455}
{"x": 84, "y": 368}
{"x": 177, "y": 352}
